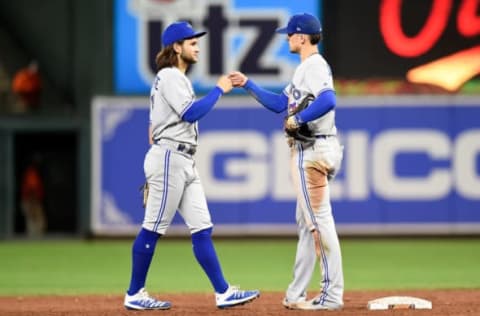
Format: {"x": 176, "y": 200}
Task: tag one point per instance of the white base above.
{"x": 399, "y": 302}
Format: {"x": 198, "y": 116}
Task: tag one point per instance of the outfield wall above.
{"x": 411, "y": 166}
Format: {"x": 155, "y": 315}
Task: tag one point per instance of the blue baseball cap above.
{"x": 179, "y": 31}
{"x": 302, "y": 23}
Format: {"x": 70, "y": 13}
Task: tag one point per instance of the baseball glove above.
{"x": 298, "y": 131}
{"x": 144, "y": 191}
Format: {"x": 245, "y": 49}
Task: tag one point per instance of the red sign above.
{"x": 450, "y": 72}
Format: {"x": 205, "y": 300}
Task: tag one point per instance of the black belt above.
{"x": 181, "y": 147}
{"x": 323, "y": 136}
{"x": 186, "y": 149}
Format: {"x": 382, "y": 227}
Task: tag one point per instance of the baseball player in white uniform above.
{"x": 171, "y": 173}
{"x": 315, "y": 159}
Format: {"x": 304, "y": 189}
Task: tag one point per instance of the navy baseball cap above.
{"x": 179, "y": 31}
{"x": 302, "y": 23}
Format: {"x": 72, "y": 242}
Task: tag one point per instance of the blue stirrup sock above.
{"x": 142, "y": 254}
{"x": 207, "y": 258}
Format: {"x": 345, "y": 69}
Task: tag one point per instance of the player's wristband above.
{"x": 219, "y": 90}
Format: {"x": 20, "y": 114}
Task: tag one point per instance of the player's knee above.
{"x": 202, "y": 234}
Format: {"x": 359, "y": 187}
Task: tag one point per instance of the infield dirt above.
{"x": 445, "y": 303}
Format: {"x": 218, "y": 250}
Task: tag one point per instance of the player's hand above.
{"x": 291, "y": 124}
{"x": 225, "y": 84}
{"x": 238, "y": 78}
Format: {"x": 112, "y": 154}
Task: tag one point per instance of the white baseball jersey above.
{"x": 312, "y": 77}
{"x": 170, "y": 96}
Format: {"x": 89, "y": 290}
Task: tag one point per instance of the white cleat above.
{"x": 233, "y": 296}
{"x": 291, "y": 304}
{"x": 318, "y": 303}
{"x": 142, "y": 301}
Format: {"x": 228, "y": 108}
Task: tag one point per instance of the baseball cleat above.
{"x": 291, "y": 304}
{"x": 318, "y": 303}
{"x": 233, "y": 296}
{"x": 142, "y": 301}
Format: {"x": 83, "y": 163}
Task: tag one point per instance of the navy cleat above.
{"x": 141, "y": 301}
{"x": 233, "y": 296}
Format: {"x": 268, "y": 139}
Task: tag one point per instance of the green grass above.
{"x": 421, "y": 263}
{"x": 76, "y": 267}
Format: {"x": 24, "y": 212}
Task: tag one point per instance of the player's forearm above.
{"x": 272, "y": 101}
{"x": 320, "y": 106}
{"x": 199, "y": 108}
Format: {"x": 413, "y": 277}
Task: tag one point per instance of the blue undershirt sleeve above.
{"x": 272, "y": 101}
{"x": 321, "y": 105}
{"x": 200, "y": 107}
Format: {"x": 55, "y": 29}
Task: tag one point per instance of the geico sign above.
{"x": 248, "y": 165}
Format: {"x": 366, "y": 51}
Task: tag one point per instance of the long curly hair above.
{"x": 167, "y": 57}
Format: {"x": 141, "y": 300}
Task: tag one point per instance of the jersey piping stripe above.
{"x": 165, "y": 190}
{"x": 326, "y": 278}
{"x": 186, "y": 108}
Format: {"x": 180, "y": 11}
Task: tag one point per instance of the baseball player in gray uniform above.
{"x": 172, "y": 178}
{"x": 315, "y": 159}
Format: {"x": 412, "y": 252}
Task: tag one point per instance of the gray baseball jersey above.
{"x": 170, "y": 96}
{"x": 311, "y": 166}
{"x": 169, "y": 166}
{"x": 312, "y": 77}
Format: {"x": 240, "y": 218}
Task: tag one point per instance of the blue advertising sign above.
{"x": 241, "y": 36}
{"x": 410, "y": 166}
